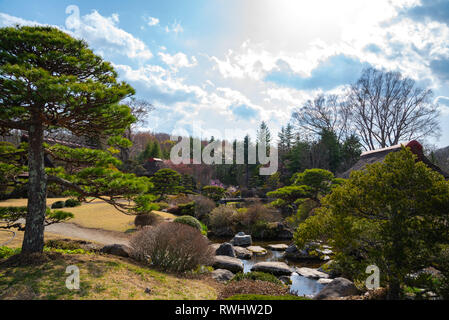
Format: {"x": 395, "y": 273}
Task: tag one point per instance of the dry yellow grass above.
{"x": 101, "y": 277}
{"x": 96, "y": 214}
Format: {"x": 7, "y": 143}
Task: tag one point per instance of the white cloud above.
{"x": 7, "y": 20}
{"x": 152, "y": 21}
{"x": 178, "y": 60}
{"x": 104, "y": 35}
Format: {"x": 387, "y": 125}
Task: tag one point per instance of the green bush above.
{"x": 70, "y": 203}
{"x": 187, "y": 209}
{"x": 256, "y": 275}
{"x": 163, "y": 205}
{"x": 190, "y": 221}
{"x": 58, "y": 205}
{"x": 264, "y": 297}
{"x": 204, "y": 229}
{"x": 213, "y": 192}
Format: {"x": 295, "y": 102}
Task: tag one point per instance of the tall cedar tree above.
{"x": 49, "y": 80}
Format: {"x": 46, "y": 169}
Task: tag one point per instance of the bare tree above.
{"x": 387, "y": 108}
{"x": 324, "y": 113}
{"x": 139, "y": 109}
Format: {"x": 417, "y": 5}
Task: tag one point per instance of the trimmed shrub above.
{"x": 70, "y": 203}
{"x": 190, "y": 221}
{"x": 172, "y": 246}
{"x": 58, "y": 205}
{"x": 256, "y": 275}
{"x": 146, "y": 219}
{"x": 163, "y": 205}
{"x": 213, "y": 192}
{"x": 187, "y": 208}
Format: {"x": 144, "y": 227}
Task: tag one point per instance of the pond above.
{"x": 300, "y": 286}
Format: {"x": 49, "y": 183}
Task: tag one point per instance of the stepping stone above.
{"x": 311, "y": 273}
{"x": 257, "y": 250}
{"x": 277, "y": 247}
{"x": 228, "y": 263}
{"x": 243, "y": 253}
{"x": 273, "y": 267}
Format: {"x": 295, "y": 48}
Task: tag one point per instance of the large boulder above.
{"x": 243, "y": 253}
{"x": 311, "y": 273}
{"x": 228, "y": 263}
{"x": 225, "y": 249}
{"x": 242, "y": 240}
{"x": 222, "y": 275}
{"x": 277, "y": 247}
{"x": 116, "y": 249}
{"x": 257, "y": 250}
{"x": 273, "y": 267}
{"x": 339, "y": 287}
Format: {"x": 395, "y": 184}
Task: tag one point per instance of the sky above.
{"x": 226, "y": 65}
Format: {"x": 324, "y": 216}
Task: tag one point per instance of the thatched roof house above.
{"x": 378, "y": 155}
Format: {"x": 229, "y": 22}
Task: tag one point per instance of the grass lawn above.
{"x": 101, "y": 277}
{"x": 96, "y": 214}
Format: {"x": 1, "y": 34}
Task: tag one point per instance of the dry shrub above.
{"x": 252, "y": 287}
{"x": 147, "y": 219}
{"x": 203, "y": 206}
{"x": 256, "y": 212}
{"x": 171, "y": 246}
{"x": 222, "y": 217}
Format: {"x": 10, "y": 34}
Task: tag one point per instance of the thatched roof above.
{"x": 378, "y": 155}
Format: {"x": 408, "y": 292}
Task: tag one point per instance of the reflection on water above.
{"x": 304, "y": 286}
{"x": 300, "y": 285}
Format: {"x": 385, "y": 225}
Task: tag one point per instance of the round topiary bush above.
{"x": 146, "y": 219}
{"x": 70, "y": 203}
{"x": 190, "y": 221}
{"x": 58, "y": 205}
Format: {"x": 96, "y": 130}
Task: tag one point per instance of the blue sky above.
{"x": 229, "y": 64}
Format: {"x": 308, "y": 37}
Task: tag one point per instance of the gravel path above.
{"x": 89, "y": 234}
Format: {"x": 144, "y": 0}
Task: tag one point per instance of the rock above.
{"x": 293, "y": 253}
{"x": 339, "y": 287}
{"x": 214, "y": 247}
{"x": 148, "y": 290}
{"x": 242, "y": 240}
{"x": 283, "y": 232}
{"x": 428, "y": 271}
{"x": 222, "y": 275}
{"x": 257, "y": 250}
{"x": 311, "y": 273}
{"x": 243, "y": 253}
{"x": 286, "y": 280}
{"x": 274, "y": 267}
{"x": 116, "y": 249}
{"x": 225, "y": 249}
{"x": 277, "y": 247}
{"x": 324, "y": 281}
{"x": 228, "y": 263}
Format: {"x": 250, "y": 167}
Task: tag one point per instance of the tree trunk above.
{"x": 33, "y": 240}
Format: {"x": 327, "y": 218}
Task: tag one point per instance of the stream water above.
{"x": 300, "y": 286}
